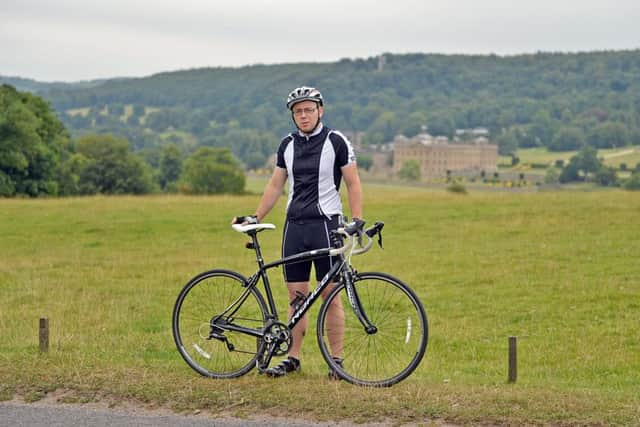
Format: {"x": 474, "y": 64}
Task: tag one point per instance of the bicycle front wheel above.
{"x": 391, "y": 352}
{"x": 202, "y": 315}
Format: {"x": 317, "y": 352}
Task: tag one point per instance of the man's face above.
{"x": 306, "y": 115}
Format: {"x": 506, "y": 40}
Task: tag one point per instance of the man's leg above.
{"x": 301, "y": 327}
{"x": 334, "y": 323}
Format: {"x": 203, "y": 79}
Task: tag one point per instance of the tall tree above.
{"x": 32, "y": 141}
{"x": 170, "y": 166}
{"x": 581, "y": 166}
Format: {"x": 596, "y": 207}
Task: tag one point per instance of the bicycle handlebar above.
{"x": 355, "y": 233}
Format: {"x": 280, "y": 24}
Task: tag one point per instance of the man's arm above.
{"x": 272, "y": 192}
{"x": 354, "y": 189}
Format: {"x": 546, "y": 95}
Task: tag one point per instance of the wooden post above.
{"x": 44, "y": 334}
{"x": 513, "y": 359}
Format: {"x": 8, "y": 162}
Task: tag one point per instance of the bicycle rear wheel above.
{"x": 390, "y": 354}
{"x": 200, "y": 317}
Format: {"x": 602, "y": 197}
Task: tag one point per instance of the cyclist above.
{"x": 314, "y": 159}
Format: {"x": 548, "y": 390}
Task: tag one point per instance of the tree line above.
{"x": 39, "y": 158}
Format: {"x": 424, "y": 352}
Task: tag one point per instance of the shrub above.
{"x": 633, "y": 183}
{"x": 457, "y": 188}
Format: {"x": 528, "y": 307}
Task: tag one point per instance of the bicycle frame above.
{"x": 310, "y": 299}
{"x": 303, "y": 256}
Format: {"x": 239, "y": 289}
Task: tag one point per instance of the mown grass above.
{"x": 558, "y": 270}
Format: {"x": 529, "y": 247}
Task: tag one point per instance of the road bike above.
{"x": 223, "y": 327}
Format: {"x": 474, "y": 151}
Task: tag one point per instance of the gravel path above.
{"x": 49, "y": 413}
{"x": 35, "y": 415}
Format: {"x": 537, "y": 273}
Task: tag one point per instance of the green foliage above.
{"x": 69, "y": 174}
{"x": 457, "y": 188}
{"x": 414, "y": 124}
{"x": 535, "y": 96}
{"x": 609, "y": 135}
{"x": 441, "y": 124}
{"x": 633, "y": 183}
{"x": 170, "y": 166}
{"x": 247, "y": 144}
{"x": 410, "y": 171}
{"x": 567, "y": 139}
{"x": 32, "y": 143}
{"x": 508, "y": 142}
{"x": 109, "y": 167}
{"x": 581, "y": 165}
{"x": 541, "y": 129}
{"x": 606, "y": 176}
{"x": 212, "y": 171}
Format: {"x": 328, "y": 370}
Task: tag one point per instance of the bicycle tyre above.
{"x": 389, "y": 355}
{"x": 204, "y": 297}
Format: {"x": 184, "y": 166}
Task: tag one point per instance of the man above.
{"x": 314, "y": 159}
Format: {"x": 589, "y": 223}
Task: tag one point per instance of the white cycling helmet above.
{"x": 304, "y": 93}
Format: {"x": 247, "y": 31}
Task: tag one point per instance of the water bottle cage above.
{"x": 299, "y": 299}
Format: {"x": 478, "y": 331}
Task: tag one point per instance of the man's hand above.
{"x": 359, "y": 223}
{"x": 247, "y": 219}
{"x": 356, "y": 226}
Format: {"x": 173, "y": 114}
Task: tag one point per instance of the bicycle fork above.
{"x": 356, "y": 304}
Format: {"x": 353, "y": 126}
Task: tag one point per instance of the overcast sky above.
{"x": 70, "y": 40}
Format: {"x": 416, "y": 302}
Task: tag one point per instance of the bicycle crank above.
{"x": 278, "y": 338}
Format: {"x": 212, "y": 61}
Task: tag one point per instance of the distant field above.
{"x": 542, "y": 155}
{"x": 557, "y": 269}
{"x": 630, "y": 156}
{"x": 612, "y": 157}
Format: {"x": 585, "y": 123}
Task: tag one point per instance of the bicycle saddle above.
{"x": 250, "y": 227}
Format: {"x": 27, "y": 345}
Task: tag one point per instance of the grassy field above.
{"x": 558, "y": 270}
{"x": 611, "y": 157}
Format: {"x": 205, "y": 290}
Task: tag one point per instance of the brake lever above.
{"x": 380, "y": 239}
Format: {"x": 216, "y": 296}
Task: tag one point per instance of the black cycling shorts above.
{"x": 305, "y": 235}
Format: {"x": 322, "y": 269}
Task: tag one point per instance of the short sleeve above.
{"x": 280, "y": 162}
{"x": 343, "y": 149}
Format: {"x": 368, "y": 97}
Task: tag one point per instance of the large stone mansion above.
{"x": 437, "y": 155}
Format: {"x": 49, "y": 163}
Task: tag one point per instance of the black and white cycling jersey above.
{"x": 313, "y": 163}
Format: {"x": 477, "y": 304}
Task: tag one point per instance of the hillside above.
{"x": 30, "y": 85}
{"x": 555, "y": 100}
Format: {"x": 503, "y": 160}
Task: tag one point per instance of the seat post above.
{"x": 256, "y": 247}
